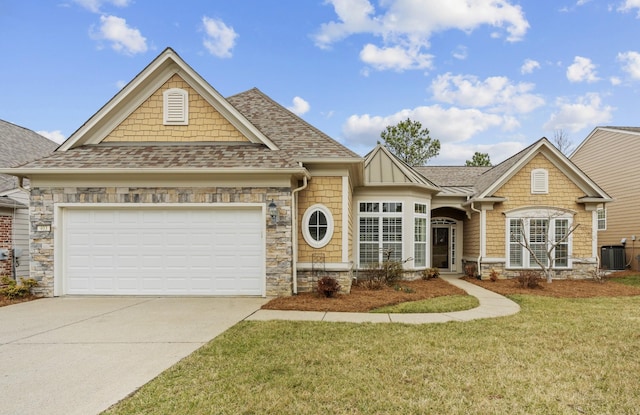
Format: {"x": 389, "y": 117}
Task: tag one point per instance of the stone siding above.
{"x": 308, "y": 280}
{"x": 278, "y": 237}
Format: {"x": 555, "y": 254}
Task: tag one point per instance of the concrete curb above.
{"x": 491, "y": 305}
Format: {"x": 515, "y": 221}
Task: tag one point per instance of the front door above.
{"x": 440, "y": 247}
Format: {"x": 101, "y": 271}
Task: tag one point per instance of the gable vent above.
{"x": 176, "y": 107}
{"x": 539, "y": 181}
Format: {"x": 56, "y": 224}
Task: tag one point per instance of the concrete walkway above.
{"x": 491, "y": 305}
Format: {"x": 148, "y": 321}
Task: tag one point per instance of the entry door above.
{"x": 440, "y": 238}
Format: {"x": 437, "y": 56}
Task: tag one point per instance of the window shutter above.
{"x": 176, "y": 107}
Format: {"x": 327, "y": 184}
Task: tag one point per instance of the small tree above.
{"x": 562, "y": 141}
{"x": 410, "y": 142}
{"x": 479, "y": 160}
{"x": 551, "y": 241}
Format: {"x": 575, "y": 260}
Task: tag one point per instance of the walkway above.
{"x": 491, "y": 305}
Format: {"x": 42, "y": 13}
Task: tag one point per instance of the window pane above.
{"x": 317, "y": 225}
{"x": 392, "y": 229}
{"x": 392, "y": 207}
{"x": 369, "y": 230}
{"x": 369, "y": 207}
{"x": 369, "y": 254}
{"x": 420, "y": 246}
{"x": 420, "y": 208}
{"x": 515, "y": 248}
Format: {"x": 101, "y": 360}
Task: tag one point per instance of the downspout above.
{"x": 294, "y": 230}
{"x": 479, "y": 260}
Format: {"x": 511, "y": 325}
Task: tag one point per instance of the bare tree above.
{"x": 562, "y": 141}
{"x": 547, "y": 245}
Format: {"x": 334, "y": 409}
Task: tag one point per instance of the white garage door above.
{"x": 163, "y": 251}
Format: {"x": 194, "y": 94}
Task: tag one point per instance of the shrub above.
{"x": 599, "y": 275}
{"x": 470, "y": 270}
{"x": 429, "y": 273}
{"x": 493, "y": 275}
{"x": 328, "y": 286}
{"x": 10, "y": 289}
{"x": 529, "y": 279}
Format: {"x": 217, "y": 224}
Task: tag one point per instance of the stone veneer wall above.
{"x": 308, "y": 280}
{"x": 581, "y": 269}
{"x": 278, "y": 238}
{"x": 6, "y": 243}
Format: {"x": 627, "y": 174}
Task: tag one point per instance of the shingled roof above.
{"x": 164, "y": 156}
{"x": 19, "y": 145}
{"x": 288, "y": 131}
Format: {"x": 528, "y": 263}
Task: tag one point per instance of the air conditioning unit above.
{"x": 612, "y": 257}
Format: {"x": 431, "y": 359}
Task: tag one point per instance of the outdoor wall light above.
{"x": 273, "y": 211}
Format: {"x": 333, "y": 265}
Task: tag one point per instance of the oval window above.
{"x": 317, "y": 226}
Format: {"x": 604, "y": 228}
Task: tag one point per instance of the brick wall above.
{"x": 6, "y": 243}
{"x": 146, "y": 122}
{"x": 278, "y": 237}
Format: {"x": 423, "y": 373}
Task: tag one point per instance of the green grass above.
{"x": 633, "y": 280}
{"x": 442, "y": 304}
{"x": 557, "y": 356}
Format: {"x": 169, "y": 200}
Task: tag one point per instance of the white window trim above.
{"x": 181, "y": 117}
{"x": 538, "y": 213}
{"x": 424, "y": 216}
{"x": 603, "y": 219}
{"x": 539, "y": 181}
{"x": 305, "y": 226}
{"x": 380, "y": 215}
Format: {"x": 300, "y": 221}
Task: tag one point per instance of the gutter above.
{"x": 479, "y": 260}
{"x": 294, "y": 230}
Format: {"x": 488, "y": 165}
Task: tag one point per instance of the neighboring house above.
{"x": 17, "y": 146}
{"x": 171, "y": 189}
{"x": 609, "y": 155}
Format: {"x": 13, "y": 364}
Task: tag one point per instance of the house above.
{"x": 537, "y": 194}
{"x": 17, "y": 145}
{"x": 609, "y": 156}
{"x": 172, "y": 189}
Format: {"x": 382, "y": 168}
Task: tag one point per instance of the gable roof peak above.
{"x": 142, "y": 86}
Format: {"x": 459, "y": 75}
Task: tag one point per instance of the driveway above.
{"x": 74, "y": 355}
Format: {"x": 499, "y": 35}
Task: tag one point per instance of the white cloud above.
{"x": 497, "y": 93}
{"x": 123, "y": 38}
{"x": 300, "y": 106}
{"x": 460, "y": 53}
{"x": 95, "y": 5}
{"x": 121, "y": 84}
{"x": 396, "y": 58}
{"x": 529, "y": 66}
{"x": 615, "y": 81}
{"x": 55, "y": 135}
{"x": 629, "y": 5}
{"x": 220, "y": 37}
{"x": 407, "y": 26}
{"x": 445, "y": 124}
{"x": 586, "y": 111}
{"x": 582, "y": 70}
{"x": 630, "y": 63}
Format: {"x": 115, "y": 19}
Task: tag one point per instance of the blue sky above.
{"x": 482, "y": 75}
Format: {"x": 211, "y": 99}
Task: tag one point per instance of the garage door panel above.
{"x": 164, "y": 251}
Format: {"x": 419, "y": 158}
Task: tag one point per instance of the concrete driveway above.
{"x": 75, "y": 355}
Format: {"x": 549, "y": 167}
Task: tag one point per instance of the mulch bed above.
{"x": 9, "y": 301}
{"x": 363, "y": 300}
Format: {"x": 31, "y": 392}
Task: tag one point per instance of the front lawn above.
{"x": 557, "y": 356}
